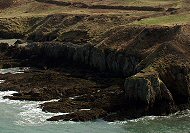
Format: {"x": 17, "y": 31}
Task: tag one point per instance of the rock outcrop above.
{"x": 146, "y": 92}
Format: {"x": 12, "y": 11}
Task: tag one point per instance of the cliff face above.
{"x": 163, "y": 79}
{"x": 104, "y": 60}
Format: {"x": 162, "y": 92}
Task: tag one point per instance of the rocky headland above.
{"x": 98, "y": 66}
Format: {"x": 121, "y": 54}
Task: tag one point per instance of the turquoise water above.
{"x": 26, "y": 117}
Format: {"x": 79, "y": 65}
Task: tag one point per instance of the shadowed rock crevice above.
{"x": 52, "y": 54}
{"x": 177, "y": 79}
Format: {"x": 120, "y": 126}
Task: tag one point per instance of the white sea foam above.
{"x": 85, "y": 109}
{"x": 30, "y": 114}
{"x": 9, "y": 41}
{"x": 149, "y": 119}
{"x": 74, "y": 97}
{"x": 2, "y": 81}
{"x": 15, "y": 70}
{"x": 6, "y": 93}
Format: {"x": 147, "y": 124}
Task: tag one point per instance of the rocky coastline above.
{"x": 131, "y": 71}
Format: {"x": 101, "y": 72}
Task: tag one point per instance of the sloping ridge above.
{"x": 83, "y": 5}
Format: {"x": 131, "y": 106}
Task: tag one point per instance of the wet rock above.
{"x": 19, "y": 41}
{"x": 81, "y": 115}
{"x": 3, "y": 46}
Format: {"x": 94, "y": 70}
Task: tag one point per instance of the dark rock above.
{"x": 81, "y": 115}
{"x": 19, "y": 41}
{"x": 146, "y": 92}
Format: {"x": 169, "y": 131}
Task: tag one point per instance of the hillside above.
{"x": 29, "y": 17}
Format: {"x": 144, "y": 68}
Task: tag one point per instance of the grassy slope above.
{"x": 164, "y": 3}
{"x": 27, "y": 13}
{"x": 31, "y": 7}
{"x": 182, "y": 18}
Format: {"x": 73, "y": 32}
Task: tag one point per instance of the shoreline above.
{"x": 111, "y": 95}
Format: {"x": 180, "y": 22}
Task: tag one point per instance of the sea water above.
{"x": 26, "y": 117}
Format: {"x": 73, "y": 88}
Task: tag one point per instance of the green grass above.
{"x": 165, "y": 20}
